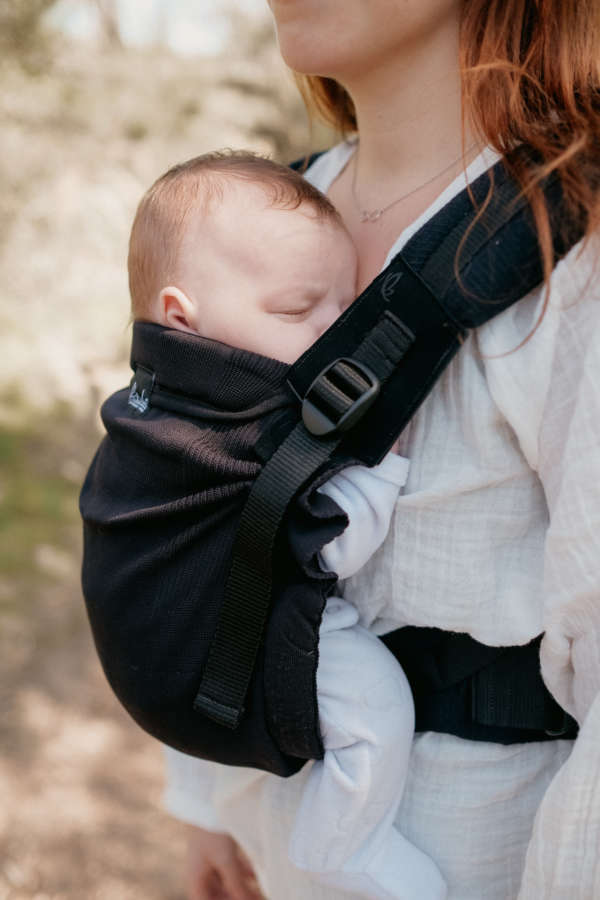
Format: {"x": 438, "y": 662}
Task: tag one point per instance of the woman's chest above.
{"x": 374, "y": 237}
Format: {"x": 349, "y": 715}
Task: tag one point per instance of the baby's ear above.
{"x": 176, "y": 310}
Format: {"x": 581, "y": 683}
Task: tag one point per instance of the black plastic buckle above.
{"x": 338, "y": 397}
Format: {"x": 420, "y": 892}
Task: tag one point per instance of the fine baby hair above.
{"x": 191, "y": 188}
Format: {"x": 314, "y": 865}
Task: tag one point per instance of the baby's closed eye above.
{"x": 293, "y": 314}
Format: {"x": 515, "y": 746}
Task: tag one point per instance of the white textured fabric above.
{"x": 497, "y": 534}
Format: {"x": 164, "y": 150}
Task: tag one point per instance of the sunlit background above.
{"x": 97, "y": 98}
{"x": 187, "y": 27}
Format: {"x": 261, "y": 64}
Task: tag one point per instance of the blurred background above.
{"x": 97, "y": 98}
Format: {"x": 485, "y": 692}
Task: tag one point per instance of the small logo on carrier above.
{"x": 389, "y": 285}
{"x": 138, "y": 399}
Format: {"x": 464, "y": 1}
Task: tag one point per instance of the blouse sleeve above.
{"x": 563, "y": 858}
{"x": 189, "y": 788}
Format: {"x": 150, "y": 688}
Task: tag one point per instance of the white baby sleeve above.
{"x": 368, "y": 496}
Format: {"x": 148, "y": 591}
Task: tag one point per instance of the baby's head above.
{"x": 242, "y": 250}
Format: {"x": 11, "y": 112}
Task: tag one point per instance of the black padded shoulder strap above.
{"x": 361, "y": 382}
{"x": 499, "y": 263}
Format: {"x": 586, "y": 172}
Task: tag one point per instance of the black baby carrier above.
{"x": 202, "y": 522}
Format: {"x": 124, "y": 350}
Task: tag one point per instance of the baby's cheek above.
{"x": 305, "y": 337}
{"x": 279, "y": 338}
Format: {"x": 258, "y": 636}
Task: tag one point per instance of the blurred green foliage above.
{"x": 39, "y": 487}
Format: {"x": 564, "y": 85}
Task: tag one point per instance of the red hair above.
{"x": 530, "y": 75}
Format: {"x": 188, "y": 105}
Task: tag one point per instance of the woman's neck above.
{"x": 409, "y": 116}
{"x": 408, "y": 108}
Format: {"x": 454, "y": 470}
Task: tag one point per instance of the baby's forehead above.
{"x": 243, "y": 233}
{"x": 233, "y": 208}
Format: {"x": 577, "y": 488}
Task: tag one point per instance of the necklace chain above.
{"x": 369, "y": 216}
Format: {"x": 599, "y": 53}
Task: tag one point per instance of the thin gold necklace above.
{"x": 369, "y": 216}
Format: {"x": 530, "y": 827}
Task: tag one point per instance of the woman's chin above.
{"x": 308, "y": 55}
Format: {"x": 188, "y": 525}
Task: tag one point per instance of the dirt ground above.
{"x": 80, "y": 784}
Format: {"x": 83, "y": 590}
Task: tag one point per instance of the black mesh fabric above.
{"x": 160, "y": 505}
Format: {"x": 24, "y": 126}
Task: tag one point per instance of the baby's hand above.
{"x": 217, "y": 869}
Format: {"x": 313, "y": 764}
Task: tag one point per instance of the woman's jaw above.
{"x": 398, "y": 60}
{"x": 347, "y": 39}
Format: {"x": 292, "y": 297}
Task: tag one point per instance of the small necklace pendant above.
{"x": 366, "y": 216}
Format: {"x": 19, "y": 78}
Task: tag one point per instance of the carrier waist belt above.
{"x": 478, "y": 692}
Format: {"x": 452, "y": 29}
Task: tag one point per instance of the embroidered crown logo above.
{"x": 139, "y": 400}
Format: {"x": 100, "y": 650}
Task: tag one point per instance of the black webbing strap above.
{"x": 337, "y": 398}
{"x": 248, "y": 593}
{"x": 498, "y": 699}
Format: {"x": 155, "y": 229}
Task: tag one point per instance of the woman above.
{"x": 496, "y": 533}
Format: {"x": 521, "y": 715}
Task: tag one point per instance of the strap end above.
{"x": 220, "y": 713}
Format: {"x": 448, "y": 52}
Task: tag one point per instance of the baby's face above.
{"x": 265, "y": 279}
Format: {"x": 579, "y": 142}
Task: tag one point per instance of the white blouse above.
{"x": 497, "y": 534}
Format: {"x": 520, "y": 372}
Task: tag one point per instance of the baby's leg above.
{"x": 344, "y": 826}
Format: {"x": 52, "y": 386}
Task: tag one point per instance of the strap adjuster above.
{"x": 338, "y": 397}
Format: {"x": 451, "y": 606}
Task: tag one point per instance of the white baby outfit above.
{"x": 344, "y": 828}
{"x": 497, "y": 534}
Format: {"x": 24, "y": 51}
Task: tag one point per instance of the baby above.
{"x": 243, "y": 251}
